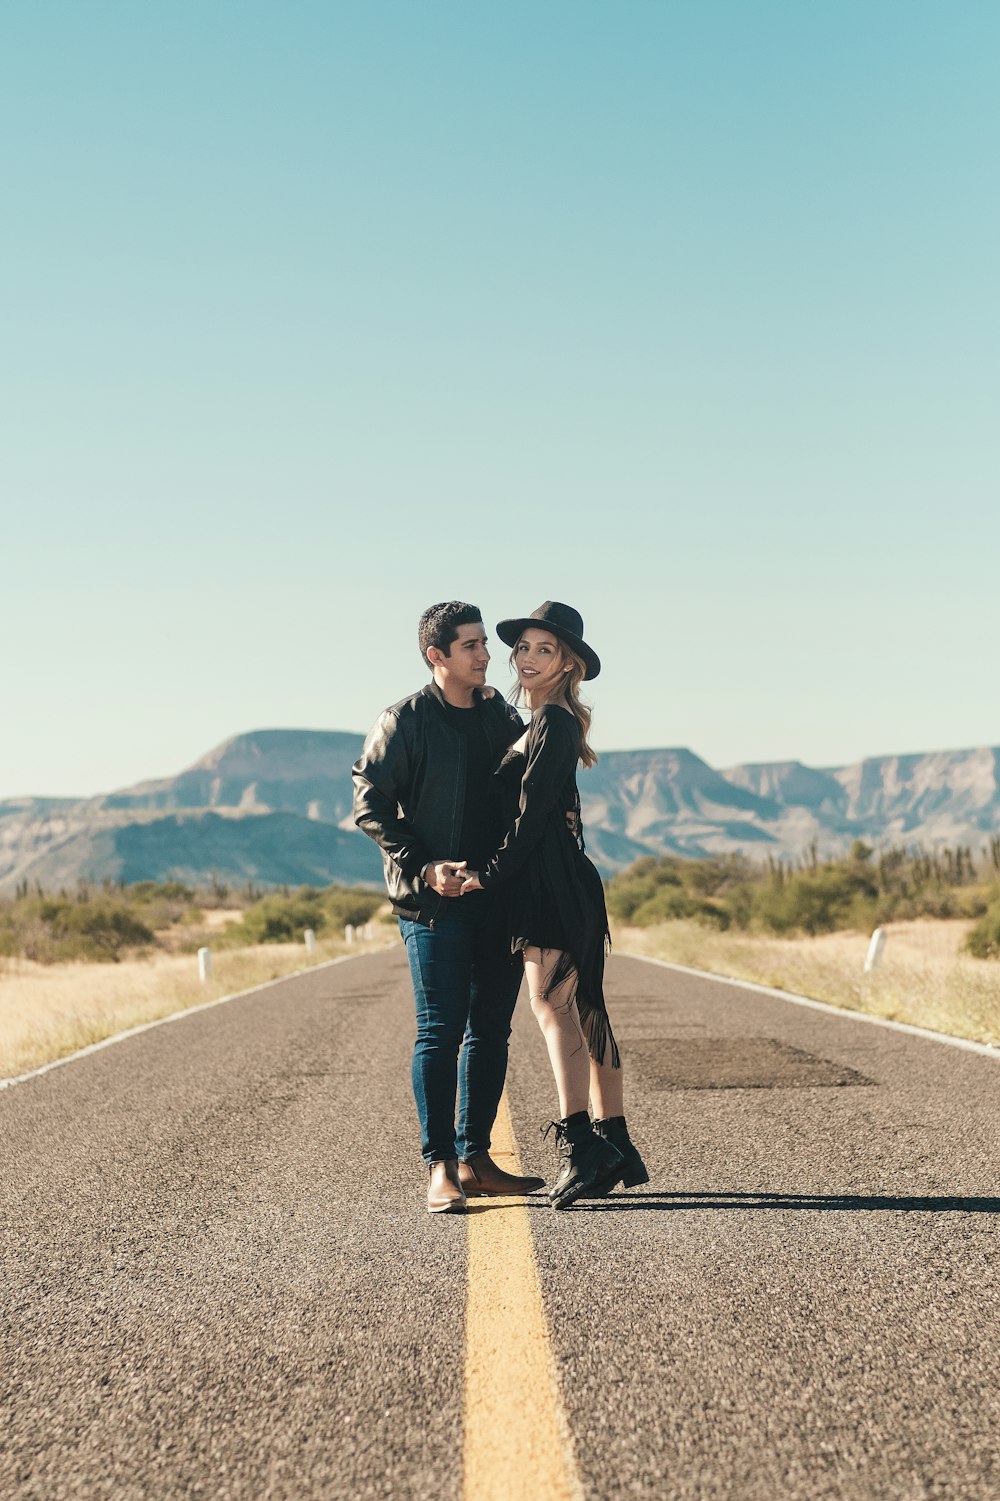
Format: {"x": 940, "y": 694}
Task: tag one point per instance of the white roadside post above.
{"x": 369, "y": 931}
{"x": 310, "y": 938}
{"x": 204, "y": 965}
{"x": 349, "y": 933}
{"x": 875, "y": 950}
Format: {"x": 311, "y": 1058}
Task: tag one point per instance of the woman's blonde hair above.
{"x": 570, "y": 696}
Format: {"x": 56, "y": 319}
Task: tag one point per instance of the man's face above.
{"x": 464, "y": 668}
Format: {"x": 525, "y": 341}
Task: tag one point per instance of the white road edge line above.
{"x": 843, "y": 1012}
{"x": 175, "y": 1016}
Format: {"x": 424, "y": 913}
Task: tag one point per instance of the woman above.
{"x": 553, "y": 901}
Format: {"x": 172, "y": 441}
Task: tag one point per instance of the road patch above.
{"x": 734, "y": 1063}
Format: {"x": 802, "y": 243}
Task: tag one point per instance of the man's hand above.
{"x": 445, "y": 876}
{"x": 471, "y": 882}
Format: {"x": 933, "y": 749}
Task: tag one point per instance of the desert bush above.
{"x": 983, "y": 940}
{"x": 670, "y": 902}
{"x": 168, "y": 891}
{"x": 161, "y": 904}
{"x": 634, "y": 888}
{"x": 350, "y": 904}
{"x": 809, "y": 895}
{"x": 53, "y": 929}
{"x": 818, "y": 901}
{"x": 281, "y": 918}
{"x": 625, "y": 897}
{"x": 278, "y": 919}
{"x": 724, "y": 874}
{"x": 102, "y": 922}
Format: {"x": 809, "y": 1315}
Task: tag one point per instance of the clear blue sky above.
{"x": 313, "y": 314}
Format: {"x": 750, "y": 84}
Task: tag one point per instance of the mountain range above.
{"x": 274, "y": 806}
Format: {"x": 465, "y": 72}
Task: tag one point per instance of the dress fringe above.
{"x": 594, "y": 1018}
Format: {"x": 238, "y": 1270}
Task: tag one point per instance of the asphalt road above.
{"x": 218, "y": 1278}
{"x": 804, "y": 1302}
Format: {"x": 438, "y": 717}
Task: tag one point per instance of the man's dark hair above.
{"x": 439, "y": 625}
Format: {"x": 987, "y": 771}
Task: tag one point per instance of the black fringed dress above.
{"x": 548, "y": 895}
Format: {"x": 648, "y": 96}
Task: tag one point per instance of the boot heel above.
{"x": 633, "y": 1176}
{"x": 633, "y": 1168}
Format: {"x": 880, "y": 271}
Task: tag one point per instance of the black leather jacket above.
{"x": 409, "y": 790}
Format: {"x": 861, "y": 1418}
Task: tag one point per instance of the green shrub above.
{"x": 983, "y": 940}
{"x": 821, "y": 901}
{"x": 279, "y": 919}
{"x": 722, "y": 875}
{"x": 104, "y": 922}
{"x": 53, "y": 929}
{"x": 858, "y": 890}
{"x": 663, "y": 904}
{"x": 739, "y": 904}
{"x": 669, "y": 903}
{"x": 168, "y": 891}
{"x": 640, "y": 884}
{"x": 350, "y": 904}
{"x": 626, "y": 897}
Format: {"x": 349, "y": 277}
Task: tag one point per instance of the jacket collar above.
{"x": 432, "y": 690}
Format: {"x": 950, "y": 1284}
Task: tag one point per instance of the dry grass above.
{"x": 923, "y": 979}
{"x": 50, "y": 1010}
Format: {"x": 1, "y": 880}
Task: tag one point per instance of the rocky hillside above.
{"x": 667, "y": 801}
{"x": 266, "y": 807}
{"x": 274, "y": 806}
{"x": 944, "y": 797}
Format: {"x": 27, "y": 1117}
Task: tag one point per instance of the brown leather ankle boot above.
{"x": 481, "y": 1175}
{"x": 444, "y": 1192}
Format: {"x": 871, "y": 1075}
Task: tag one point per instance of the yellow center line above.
{"x": 517, "y": 1444}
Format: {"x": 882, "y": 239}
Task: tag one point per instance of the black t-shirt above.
{"x": 482, "y": 815}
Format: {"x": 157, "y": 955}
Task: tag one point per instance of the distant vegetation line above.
{"x": 109, "y": 921}
{"x": 807, "y": 896}
{"x": 811, "y": 896}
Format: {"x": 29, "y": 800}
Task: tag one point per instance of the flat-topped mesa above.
{"x": 277, "y": 754}
{"x": 962, "y": 785}
{"x": 790, "y": 784}
{"x": 667, "y": 801}
{"x": 675, "y": 767}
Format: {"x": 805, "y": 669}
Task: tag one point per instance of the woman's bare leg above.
{"x": 607, "y": 1091}
{"x": 607, "y": 1097}
{"x": 560, "y": 1023}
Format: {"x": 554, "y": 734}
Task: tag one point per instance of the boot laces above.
{"x": 563, "y": 1145}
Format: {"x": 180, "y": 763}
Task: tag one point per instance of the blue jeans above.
{"x": 465, "y": 987}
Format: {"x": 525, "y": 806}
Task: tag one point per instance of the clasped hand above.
{"x": 454, "y": 878}
{"x": 451, "y": 877}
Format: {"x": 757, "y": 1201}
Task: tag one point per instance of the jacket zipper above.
{"x": 454, "y": 811}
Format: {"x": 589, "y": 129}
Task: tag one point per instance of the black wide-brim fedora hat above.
{"x": 563, "y": 621}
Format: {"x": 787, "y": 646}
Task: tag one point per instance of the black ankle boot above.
{"x": 615, "y": 1130}
{"x": 590, "y": 1164}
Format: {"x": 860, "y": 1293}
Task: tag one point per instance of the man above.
{"x": 422, "y": 792}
